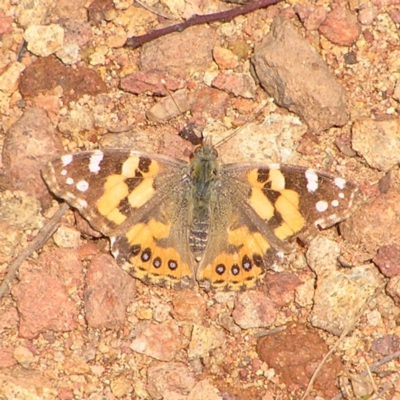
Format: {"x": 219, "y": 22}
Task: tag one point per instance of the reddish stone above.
{"x": 295, "y": 354}
{"x": 386, "y": 345}
{"x": 65, "y": 265}
{"x": 65, "y": 394}
{"x": 109, "y": 290}
{"x": 7, "y": 357}
{"x": 341, "y": 27}
{"x": 161, "y": 342}
{"x": 311, "y": 16}
{"x": 238, "y": 84}
{"x": 43, "y": 304}
{"x": 253, "y": 309}
{"x": 388, "y": 260}
{"x": 281, "y": 288}
{"x": 209, "y": 102}
{"x": 188, "y": 306}
{"x": 8, "y": 318}
{"x": 172, "y": 377}
{"x": 151, "y": 82}
{"x": 375, "y": 224}
{"x": 29, "y": 144}
{"x": 5, "y": 24}
{"x": 46, "y": 73}
{"x": 394, "y": 14}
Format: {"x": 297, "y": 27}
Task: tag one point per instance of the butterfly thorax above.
{"x": 204, "y": 176}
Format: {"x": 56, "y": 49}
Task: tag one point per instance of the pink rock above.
{"x": 395, "y": 15}
{"x": 5, "y": 24}
{"x": 30, "y": 142}
{"x": 65, "y": 265}
{"x": 311, "y": 16}
{"x": 172, "y": 377}
{"x": 294, "y": 354}
{"x": 281, "y": 288}
{"x": 7, "y": 357}
{"x": 108, "y": 291}
{"x": 388, "y": 260}
{"x": 8, "y": 318}
{"x": 161, "y": 342}
{"x": 253, "y": 310}
{"x": 188, "y": 306}
{"x": 151, "y": 82}
{"x": 225, "y": 58}
{"x": 43, "y": 304}
{"x": 238, "y": 84}
{"x": 341, "y": 27}
{"x": 65, "y": 394}
{"x": 209, "y": 102}
{"x": 180, "y": 53}
{"x": 386, "y": 345}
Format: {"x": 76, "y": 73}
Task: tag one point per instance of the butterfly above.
{"x": 173, "y": 222}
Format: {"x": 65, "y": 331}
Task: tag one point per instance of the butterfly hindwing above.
{"x": 155, "y": 248}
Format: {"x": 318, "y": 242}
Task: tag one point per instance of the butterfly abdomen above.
{"x": 198, "y": 233}
{"x": 204, "y": 175}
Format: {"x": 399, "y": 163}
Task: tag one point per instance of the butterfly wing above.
{"x": 139, "y": 201}
{"x": 257, "y": 208}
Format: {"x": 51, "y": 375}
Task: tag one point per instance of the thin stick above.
{"x": 137, "y": 41}
{"x": 334, "y": 347}
{"x": 381, "y": 362}
{"x": 40, "y": 239}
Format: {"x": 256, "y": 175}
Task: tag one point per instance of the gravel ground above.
{"x": 315, "y": 85}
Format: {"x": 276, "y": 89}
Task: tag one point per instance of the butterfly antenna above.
{"x": 237, "y": 130}
{"x": 171, "y": 96}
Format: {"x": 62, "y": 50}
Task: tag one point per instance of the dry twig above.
{"x": 137, "y": 41}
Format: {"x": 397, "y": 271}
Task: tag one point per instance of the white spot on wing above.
{"x": 82, "y": 186}
{"x": 341, "y": 195}
{"x": 67, "y": 159}
{"x": 69, "y": 181}
{"x": 64, "y": 172}
{"x": 335, "y": 203}
{"x": 312, "y": 180}
{"x": 95, "y": 160}
{"x": 340, "y": 183}
{"x": 321, "y": 206}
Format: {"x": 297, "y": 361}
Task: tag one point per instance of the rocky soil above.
{"x": 315, "y": 84}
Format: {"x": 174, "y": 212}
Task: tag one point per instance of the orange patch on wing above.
{"x": 288, "y": 207}
{"x": 146, "y": 235}
{"x": 142, "y": 193}
{"x": 260, "y": 204}
{"x": 115, "y": 190}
